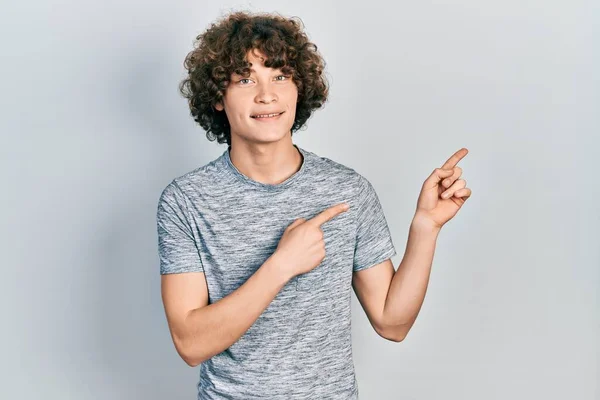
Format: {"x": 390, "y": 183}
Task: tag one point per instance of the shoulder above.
{"x": 205, "y": 177}
{"x": 335, "y": 171}
{"x": 202, "y": 176}
{"x": 343, "y": 178}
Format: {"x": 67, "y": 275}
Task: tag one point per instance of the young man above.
{"x": 258, "y": 255}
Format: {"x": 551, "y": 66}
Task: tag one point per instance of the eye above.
{"x": 243, "y": 79}
{"x": 284, "y": 76}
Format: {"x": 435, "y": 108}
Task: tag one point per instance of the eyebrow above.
{"x": 253, "y": 70}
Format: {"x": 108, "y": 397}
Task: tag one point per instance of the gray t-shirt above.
{"x": 218, "y": 221}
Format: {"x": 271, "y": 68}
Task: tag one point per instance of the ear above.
{"x": 219, "y": 107}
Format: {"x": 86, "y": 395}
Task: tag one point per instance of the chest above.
{"x": 237, "y": 235}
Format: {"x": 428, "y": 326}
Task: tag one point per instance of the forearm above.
{"x": 409, "y": 283}
{"x": 213, "y": 328}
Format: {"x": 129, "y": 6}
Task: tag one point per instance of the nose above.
{"x": 265, "y": 94}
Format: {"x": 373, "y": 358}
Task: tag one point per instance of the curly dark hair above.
{"x": 222, "y": 49}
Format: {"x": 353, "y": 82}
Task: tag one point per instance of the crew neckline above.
{"x": 232, "y": 169}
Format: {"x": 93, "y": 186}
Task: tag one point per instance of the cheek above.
{"x": 238, "y": 109}
{"x": 291, "y": 96}
{"x": 293, "y": 90}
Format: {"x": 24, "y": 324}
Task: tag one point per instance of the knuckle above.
{"x": 315, "y": 234}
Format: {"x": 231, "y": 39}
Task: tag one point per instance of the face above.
{"x": 247, "y": 101}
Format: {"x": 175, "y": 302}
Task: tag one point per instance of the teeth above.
{"x": 266, "y": 115}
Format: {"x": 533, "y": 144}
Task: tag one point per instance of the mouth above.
{"x": 266, "y": 117}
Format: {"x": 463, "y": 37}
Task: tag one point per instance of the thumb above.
{"x": 295, "y": 223}
{"x": 437, "y": 175}
{"x": 443, "y": 173}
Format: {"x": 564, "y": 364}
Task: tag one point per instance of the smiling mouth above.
{"x": 266, "y": 116}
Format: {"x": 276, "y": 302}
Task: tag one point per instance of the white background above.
{"x": 93, "y": 129}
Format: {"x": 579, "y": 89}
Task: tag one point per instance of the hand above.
{"x": 439, "y": 201}
{"x": 301, "y": 247}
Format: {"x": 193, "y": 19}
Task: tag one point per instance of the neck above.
{"x": 268, "y": 163}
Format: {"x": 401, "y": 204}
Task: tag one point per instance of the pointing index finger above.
{"x": 456, "y": 157}
{"x": 329, "y": 213}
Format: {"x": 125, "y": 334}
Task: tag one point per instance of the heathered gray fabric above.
{"x": 216, "y": 220}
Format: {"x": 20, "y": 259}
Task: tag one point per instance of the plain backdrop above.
{"x": 93, "y": 129}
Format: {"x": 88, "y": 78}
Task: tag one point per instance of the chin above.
{"x": 268, "y": 136}
{"x": 265, "y": 135}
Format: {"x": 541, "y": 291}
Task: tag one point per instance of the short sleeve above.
{"x": 177, "y": 248}
{"x": 373, "y": 239}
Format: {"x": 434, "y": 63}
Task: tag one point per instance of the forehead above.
{"x": 257, "y": 59}
{"x": 255, "y": 56}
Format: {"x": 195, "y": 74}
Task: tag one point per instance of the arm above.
{"x": 394, "y": 314}
{"x": 199, "y": 330}
{"x": 392, "y": 300}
